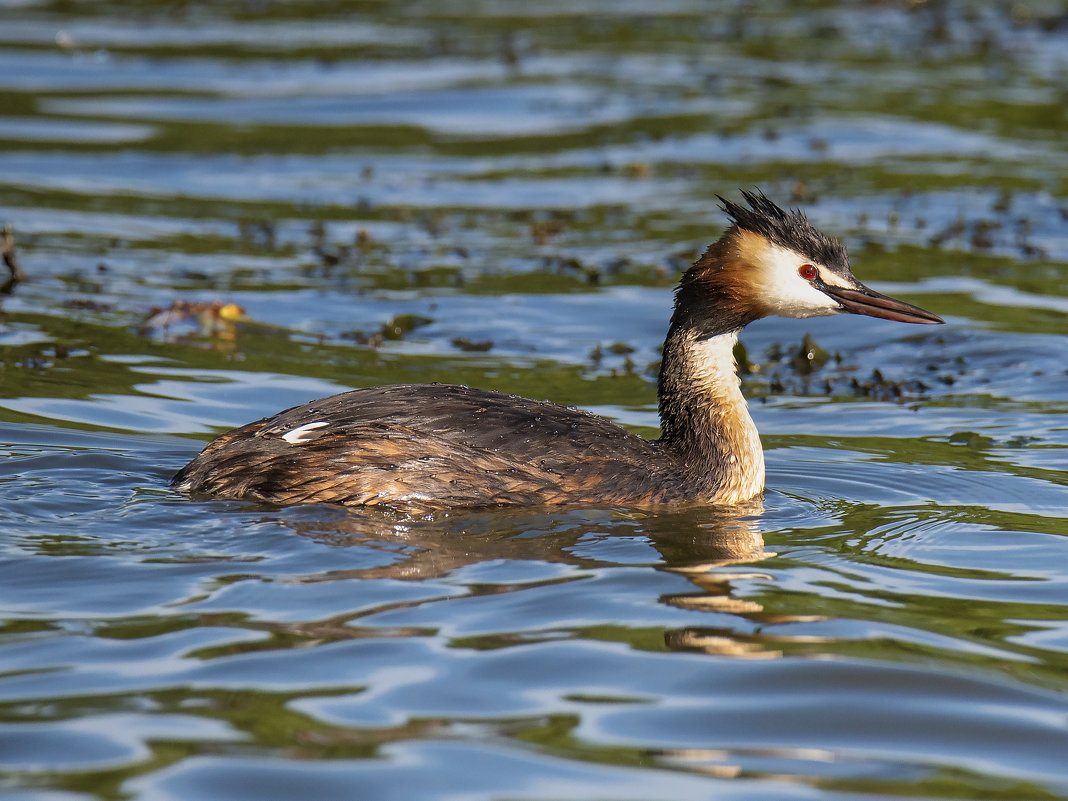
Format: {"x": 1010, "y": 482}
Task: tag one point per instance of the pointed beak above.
{"x": 867, "y": 301}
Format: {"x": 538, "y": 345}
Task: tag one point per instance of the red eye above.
{"x": 808, "y": 272}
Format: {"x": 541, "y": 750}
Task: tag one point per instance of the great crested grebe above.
{"x": 426, "y": 447}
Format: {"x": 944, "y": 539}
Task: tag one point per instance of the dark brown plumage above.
{"x": 426, "y": 446}
{"x": 430, "y": 446}
{"x": 787, "y": 229}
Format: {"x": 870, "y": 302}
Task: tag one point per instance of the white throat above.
{"x": 714, "y": 419}
{"x": 711, "y": 363}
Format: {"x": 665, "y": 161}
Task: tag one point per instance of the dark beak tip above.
{"x": 873, "y": 304}
{"x": 917, "y": 317}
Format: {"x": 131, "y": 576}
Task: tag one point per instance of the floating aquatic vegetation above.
{"x": 214, "y": 319}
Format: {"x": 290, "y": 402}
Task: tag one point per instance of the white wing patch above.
{"x": 297, "y": 435}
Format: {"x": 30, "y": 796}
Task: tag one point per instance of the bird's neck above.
{"x": 704, "y": 417}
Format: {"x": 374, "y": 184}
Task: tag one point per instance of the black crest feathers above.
{"x": 787, "y": 229}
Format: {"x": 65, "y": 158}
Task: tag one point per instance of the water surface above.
{"x": 502, "y": 194}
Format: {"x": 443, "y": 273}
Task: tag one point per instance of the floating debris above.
{"x": 393, "y": 329}
{"x": 542, "y": 231}
{"x": 800, "y": 192}
{"x": 9, "y": 256}
{"x": 839, "y": 379}
{"x": 981, "y": 234}
{"x": 638, "y": 169}
{"x": 213, "y": 318}
{"x": 971, "y": 439}
{"x": 570, "y": 265}
{"x": 403, "y": 324}
{"x": 357, "y": 335}
{"x": 257, "y": 234}
{"x": 810, "y": 357}
{"x": 1003, "y": 204}
{"x": 951, "y": 231}
{"x": 1023, "y": 234}
{"x": 741, "y": 358}
{"x": 508, "y": 47}
{"x": 434, "y": 223}
{"x": 87, "y": 304}
{"x": 465, "y": 344}
{"x": 317, "y": 232}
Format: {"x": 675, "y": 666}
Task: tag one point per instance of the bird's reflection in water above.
{"x": 710, "y": 547}
{"x": 690, "y": 541}
{"x": 700, "y": 545}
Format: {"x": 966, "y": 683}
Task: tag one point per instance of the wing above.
{"x": 430, "y": 446}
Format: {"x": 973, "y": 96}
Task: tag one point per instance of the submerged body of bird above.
{"x": 424, "y": 447}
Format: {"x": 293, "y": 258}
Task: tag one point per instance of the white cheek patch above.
{"x": 297, "y": 435}
{"x": 785, "y": 292}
